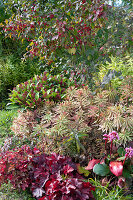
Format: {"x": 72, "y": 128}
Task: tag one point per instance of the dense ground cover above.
{"x": 66, "y": 91}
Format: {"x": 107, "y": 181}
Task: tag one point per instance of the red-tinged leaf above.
{"x": 121, "y": 182}
{"x": 42, "y": 198}
{"x": 67, "y": 169}
{"x": 38, "y": 192}
{"x": 36, "y": 151}
{"x": 104, "y": 181}
{"x": 102, "y": 161}
{"x": 92, "y": 163}
{"x": 116, "y": 167}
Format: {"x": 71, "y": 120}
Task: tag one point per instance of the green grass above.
{"x": 8, "y": 193}
{"x": 6, "y": 118}
{"x": 104, "y": 193}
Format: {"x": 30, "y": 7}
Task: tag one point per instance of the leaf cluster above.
{"x": 26, "y": 168}
{"x": 39, "y": 89}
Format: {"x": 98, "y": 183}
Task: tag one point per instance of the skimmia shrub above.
{"x": 39, "y": 89}
{"x": 48, "y": 176}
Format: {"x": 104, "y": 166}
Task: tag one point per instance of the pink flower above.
{"x": 129, "y": 152}
{"x": 113, "y": 136}
{"x": 106, "y": 137}
{"x": 101, "y": 48}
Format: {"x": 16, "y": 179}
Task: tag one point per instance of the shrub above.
{"x": 49, "y": 176}
{"x": 108, "y": 116}
{"x": 113, "y": 72}
{"x": 39, "y": 89}
{"x": 126, "y": 91}
{"x": 67, "y": 123}
{"x": 24, "y": 123}
{"x": 117, "y": 117}
{"x": 12, "y": 72}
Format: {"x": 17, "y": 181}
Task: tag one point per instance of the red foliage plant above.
{"x": 15, "y": 166}
{"x": 48, "y": 176}
{"x": 57, "y": 178}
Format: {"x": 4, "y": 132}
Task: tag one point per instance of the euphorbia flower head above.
{"x": 129, "y": 152}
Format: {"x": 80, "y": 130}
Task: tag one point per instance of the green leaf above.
{"x": 37, "y": 96}
{"x": 101, "y": 169}
{"x": 48, "y": 91}
{"x": 121, "y": 158}
{"x": 62, "y": 96}
{"x": 11, "y": 107}
{"x": 82, "y": 170}
{"x": 53, "y": 94}
{"x": 82, "y": 135}
{"x": 121, "y": 152}
{"x": 126, "y": 173}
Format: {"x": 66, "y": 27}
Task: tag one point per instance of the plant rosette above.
{"x": 120, "y": 166}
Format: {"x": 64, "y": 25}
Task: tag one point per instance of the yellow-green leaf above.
{"x": 72, "y": 51}
{"x": 31, "y": 44}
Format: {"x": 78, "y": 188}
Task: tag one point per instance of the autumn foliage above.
{"x": 71, "y": 25}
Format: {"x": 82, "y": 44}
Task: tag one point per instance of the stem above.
{"x": 125, "y": 158}
{"x": 106, "y": 144}
{"x": 111, "y": 148}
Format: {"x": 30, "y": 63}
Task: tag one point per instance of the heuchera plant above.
{"x": 110, "y": 163}
{"x": 39, "y": 89}
{"x": 48, "y": 176}
{"x": 15, "y": 166}
{"x": 55, "y": 177}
